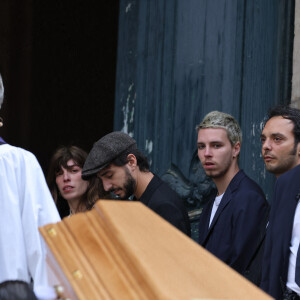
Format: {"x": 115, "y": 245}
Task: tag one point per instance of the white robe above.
{"x": 25, "y": 204}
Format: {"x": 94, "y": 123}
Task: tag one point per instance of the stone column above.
{"x": 295, "y": 101}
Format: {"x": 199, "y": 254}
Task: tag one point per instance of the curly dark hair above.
{"x": 290, "y": 113}
{"x": 95, "y": 188}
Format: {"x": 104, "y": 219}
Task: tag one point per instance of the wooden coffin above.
{"x": 123, "y": 250}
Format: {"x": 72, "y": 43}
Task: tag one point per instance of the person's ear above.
{"x": 132, "y": 161}
{"x": 298, "y": 150}
{"x": 236, "y": 149}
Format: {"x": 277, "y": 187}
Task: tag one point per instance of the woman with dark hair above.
{"x": 70, "y": 192}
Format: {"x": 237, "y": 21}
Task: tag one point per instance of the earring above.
{"x": 1, "y": 122}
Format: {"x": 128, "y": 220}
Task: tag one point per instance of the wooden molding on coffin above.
{"x": 123, "y": 250}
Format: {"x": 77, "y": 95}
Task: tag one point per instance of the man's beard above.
{"x": 216, "y": 174}
{"x": 284, "y": 165}
{"x": 129, "y": 185}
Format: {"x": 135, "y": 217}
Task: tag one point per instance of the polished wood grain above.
{"x": 123, "y": 250}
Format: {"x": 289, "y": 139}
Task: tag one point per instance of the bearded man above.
{"x": 232, "y": 223}
{"x": 124, "y": 171}
{"x": 281, "y": 152}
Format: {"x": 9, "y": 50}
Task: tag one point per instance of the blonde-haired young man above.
{"x": 232, "y": 223}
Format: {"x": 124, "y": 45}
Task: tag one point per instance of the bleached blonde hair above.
{"x": 217, "y": 119}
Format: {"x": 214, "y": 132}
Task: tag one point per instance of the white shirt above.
{"x": 215, "y": 207}
{"x": 293, "y": 252}
{"x": 25, "y": 204}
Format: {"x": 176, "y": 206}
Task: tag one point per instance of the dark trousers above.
{"x": 16, "y": 290}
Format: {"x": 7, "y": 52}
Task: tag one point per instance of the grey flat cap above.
{"x": 105, "y": 151}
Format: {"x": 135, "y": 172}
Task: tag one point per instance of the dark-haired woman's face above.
{"x": 69, "y": 182}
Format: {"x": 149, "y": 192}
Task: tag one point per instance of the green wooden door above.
{"x": 180, "y": 59}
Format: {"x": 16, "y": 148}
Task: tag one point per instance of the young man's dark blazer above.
{"x": 279, "y": 232}
{"x": 234, "y": 234}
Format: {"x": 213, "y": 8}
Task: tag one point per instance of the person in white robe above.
{"x": 25, "y": 205}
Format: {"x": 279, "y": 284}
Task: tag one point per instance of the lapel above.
{"x": 288, "y": 220}
{"x": 234, "y": 184}
{"x": 205, "y": 218}
{"x": 289, "y": 197}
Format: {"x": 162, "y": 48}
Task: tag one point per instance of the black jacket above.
{"x": 234, "y": 234}
{"x": 279, "y": 232}
{"x": 165, "y": 202}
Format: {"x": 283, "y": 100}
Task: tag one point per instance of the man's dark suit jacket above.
{"x": 234, "y": 233}
{"x": 279, "y": 232}
{"x": 165, "y": 202}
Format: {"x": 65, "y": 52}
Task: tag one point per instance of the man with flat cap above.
{"x": 124, "y": 171}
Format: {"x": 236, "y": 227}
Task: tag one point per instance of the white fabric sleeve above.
{"x": 25, "y": 205}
